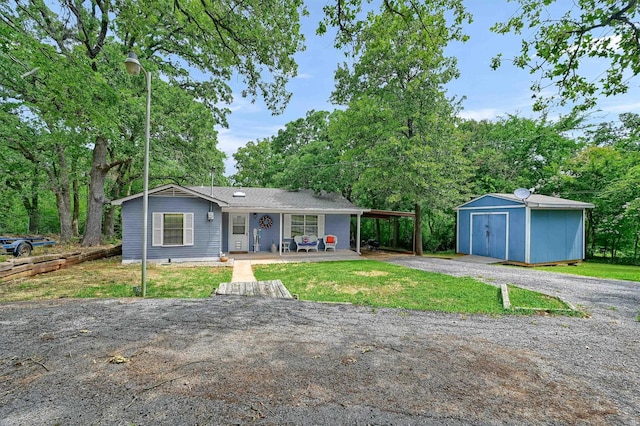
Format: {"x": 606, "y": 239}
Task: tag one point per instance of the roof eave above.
{"x": 560, "y": 206}
{"x": 494, "y": 195}
{"x": 289, "y": 210}
{"x": 197, "y": 194}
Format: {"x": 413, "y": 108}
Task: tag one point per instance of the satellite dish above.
{"x": 522, "y": 193}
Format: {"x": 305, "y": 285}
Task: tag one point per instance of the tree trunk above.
{"x": 418, "y": 230}
{"x": 613, "y": 249}
{"x": 32, "y": 211}
{"x": 31, "y": 205}
{"x": 116, "y": 190}
{"x": 96, "y": 201}
{"x": 60, "y": 179}
{"x": 108, "y": 226}
{"x": 378, "y": 234}
{"x": 591, "y": 231}
{"x": 63, "y": 202}
{"x": 76, "y": 209}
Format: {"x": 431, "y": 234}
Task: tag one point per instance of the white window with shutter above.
{"x": 172, "y": 229}
{"x": 303, "y": 224}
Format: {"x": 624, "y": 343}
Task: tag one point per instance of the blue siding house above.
{"x": 536, "y": 230}
{"x": 199, "y": 223}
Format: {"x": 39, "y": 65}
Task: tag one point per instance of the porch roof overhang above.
{"x": 259, "y": 209}
{"x": 386, "y": 214}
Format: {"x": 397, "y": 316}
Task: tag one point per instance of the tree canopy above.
{"x": 569, "y": 38}
{"x": 61, "y": 69}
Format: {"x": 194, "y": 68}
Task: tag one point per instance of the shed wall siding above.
{"x": 207, "y": 234}
{"x": 464, "y": 226}
{"x": 556, "y": 235}
{"x": 517, "y": 237}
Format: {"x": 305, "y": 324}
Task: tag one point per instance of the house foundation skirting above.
{"x": 174, "y": 260}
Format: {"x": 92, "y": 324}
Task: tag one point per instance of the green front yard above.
{"x": 379, "y": 284}
{"x": 108, "y": 278}
{"x": 362, "y": 282}
{"x": 598, "y": 270}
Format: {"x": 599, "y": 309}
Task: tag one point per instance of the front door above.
{"x": 238, "y": 232}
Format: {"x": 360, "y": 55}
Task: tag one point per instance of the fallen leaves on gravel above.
{"x": 117, "y": 359}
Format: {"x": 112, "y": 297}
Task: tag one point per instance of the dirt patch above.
{"x": 231, "y": 360}
{"x": 371, "y": 273}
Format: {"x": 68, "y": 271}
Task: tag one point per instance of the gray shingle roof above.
{"x": 257, "y": 199}
{"x": 276, "y": 199}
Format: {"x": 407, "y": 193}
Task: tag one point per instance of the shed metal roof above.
{"x": 537, "y": 201}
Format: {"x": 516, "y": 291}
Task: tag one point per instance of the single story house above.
{"x": 199, "y": 223}
{"x": 536, "y": 230}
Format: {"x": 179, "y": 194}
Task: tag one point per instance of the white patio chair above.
{"x": 330, "y": 242}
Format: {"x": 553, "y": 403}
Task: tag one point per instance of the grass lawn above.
{"x": 599, "y": 270}
{"x": 379, "y": 284}
{"x": 362, "y": 282}
{"x": 108, "y": 278}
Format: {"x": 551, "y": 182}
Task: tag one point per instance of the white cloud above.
{"x": 612, "y": 40}
{"x": 304, "y": 76}
{"x": 230, "y": 140}
{"x": 621, "y": 108}
{"x": 480, "y": 114}
{"x": 244, "y": 105}
{"x": 229, "y": 143}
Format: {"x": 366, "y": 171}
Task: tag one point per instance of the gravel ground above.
{"x": 610, "y": 299}
{"x": 238, "y": 360}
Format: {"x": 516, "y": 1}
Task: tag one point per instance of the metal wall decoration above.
{"x": 265, "y": 222}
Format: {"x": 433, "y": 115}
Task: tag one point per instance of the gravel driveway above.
{"x": 611, "y": 299}
{"x": 240, "y": 360}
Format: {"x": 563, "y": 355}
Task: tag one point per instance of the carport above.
{"x": 393, "y": 226}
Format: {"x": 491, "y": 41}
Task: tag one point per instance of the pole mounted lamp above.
{"x": 133, "y": 67}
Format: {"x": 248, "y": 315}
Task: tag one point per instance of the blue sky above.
{"x": 489, "y": 94}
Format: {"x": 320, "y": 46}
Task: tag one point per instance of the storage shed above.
{"x": 537, "y": 230}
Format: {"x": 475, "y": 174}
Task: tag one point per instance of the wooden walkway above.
{"x": 273, "y": 288}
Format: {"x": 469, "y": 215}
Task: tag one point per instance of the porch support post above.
{"x": 358, "y": 233}
{"x": 280, "y": 235}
